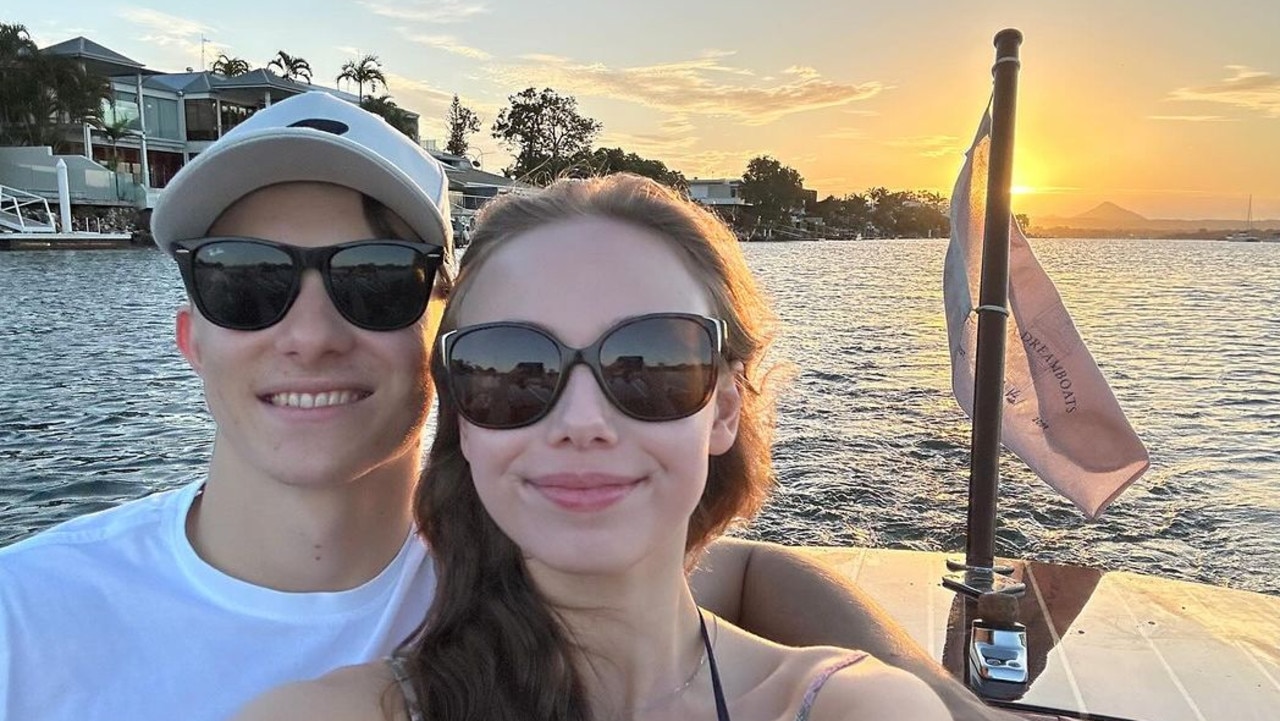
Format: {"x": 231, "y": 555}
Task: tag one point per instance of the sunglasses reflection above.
{"x": 503, "y": 397}
{"x": 655, "y": 368}
{"x": 250, "y": 284}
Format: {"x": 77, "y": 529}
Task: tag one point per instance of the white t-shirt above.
{"x": 113, "y": 617}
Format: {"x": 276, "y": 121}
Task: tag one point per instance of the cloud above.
{"x": 54, "y": 32}
{"x": 676, "y": 125}
{"x": 430, "y": 11}
{"x": 802, "y": 71}
{"x": 930, "y": 146}
{"x": 166, "y": 30}
{"x": 170, "y": 31}
{"x": 649, "y": 145}
{"x": 417, "y": 95}
{"x": 712, "y": 163}
{"x": 432, "y": 106}
{"x": 1192, "y": 118}
{"x": 171, "y": 26}
{"x": 714, "y": 54}
{"x": 1249, "y": 89}
{"x": 845, "y": 134}
{"x": 545, "y": 58}
{"x": 695, "y": 87}
{"x": 674, "y": 139}
{"x": 447, "y": 43}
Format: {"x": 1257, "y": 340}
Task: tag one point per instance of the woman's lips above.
{"x": 584, "y": 492}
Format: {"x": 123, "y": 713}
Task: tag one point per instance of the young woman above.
{"x": 602, "y": 417}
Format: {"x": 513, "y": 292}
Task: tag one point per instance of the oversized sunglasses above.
{"x": 658, "y": 367}
{"x": 250, "y": 284}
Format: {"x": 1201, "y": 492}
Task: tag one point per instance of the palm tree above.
{"x": 291, "y": 67}
{"x": 230, "y": 66}
{"x": 114, "y": 131}
{"x": 17, "y": 53}
{"x": 43, "y": 97}
{"x": 396, "y": 116}
{"x": 365, "y": 70}
{"x": 15, "y": 42}
{"x": 80, "y": 98}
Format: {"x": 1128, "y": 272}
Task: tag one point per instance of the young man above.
{"x": 308, "y": 238}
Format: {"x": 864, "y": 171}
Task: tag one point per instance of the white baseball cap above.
{"x": 309, "y": 137}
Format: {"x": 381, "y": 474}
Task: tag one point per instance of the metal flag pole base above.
{"x": 974, "y": 581}
{"x": 957, "y": 566}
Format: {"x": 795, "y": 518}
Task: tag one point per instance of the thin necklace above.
{"x": 678, "y": 691}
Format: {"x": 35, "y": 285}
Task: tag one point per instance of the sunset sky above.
{"x": 1170, "y": 108}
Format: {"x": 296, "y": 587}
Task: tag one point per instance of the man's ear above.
{"x": 728, "y": 400}
{"x": 185, "y": 334}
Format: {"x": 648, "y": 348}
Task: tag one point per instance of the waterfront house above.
{"x": 169, "y": 118}
{"x": 724, "y": 196}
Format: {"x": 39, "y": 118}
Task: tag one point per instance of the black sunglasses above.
{"x": 250, "y": 284}
{"x": 658, "y": 367}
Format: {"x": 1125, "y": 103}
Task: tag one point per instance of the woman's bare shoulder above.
{"x": 859, "y": 686}
{"x": 353, "y": 693}
{"x": 774, "y": 681}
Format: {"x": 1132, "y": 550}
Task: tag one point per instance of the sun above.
{"x": 1032, "y": 175}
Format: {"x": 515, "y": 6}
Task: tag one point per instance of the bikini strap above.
{"x": 414, "y": 707}
{"x": 722, "y": 708}
{"x": 407, "y": 689}
{"x": 811, "y": 694}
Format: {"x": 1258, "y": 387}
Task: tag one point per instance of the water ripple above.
{"x": 872, "y": 449}
{"x": 1181, "y": 329}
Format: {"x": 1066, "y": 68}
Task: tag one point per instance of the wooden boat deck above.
{"x": 1109, "y": 644}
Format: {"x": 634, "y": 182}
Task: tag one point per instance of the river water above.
{"x": 98, "y": 407}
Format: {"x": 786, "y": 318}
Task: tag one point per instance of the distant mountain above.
{"x": 1111, "y": 213}
{"x": 1108, "y": 220}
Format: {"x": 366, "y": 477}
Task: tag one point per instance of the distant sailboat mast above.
{"x": 1247, "y": 234}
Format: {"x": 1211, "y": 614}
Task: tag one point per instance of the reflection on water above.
{"x": 873, "y": 449}
{"x": 100, "y": 407}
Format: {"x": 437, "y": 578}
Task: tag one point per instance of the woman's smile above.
{"x": 583, "y": 492}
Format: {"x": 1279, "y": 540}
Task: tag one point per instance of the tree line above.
{"x": 44, "y": 98}
{"x": 883, "y": 213}
{"x": 548, "y": 137}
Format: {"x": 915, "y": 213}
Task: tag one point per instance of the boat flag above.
{"x": 1060, "y": 416}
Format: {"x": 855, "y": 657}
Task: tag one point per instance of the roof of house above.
{"x": 105, "y": 59}
{"x": 207, "y": 82}
{"x": 108, "y": 62}
{"x": 193, "y": 82}
{"x": 714, "y": 181}
{"x": 460, "y": 170}
{"x": 474, "y": 176}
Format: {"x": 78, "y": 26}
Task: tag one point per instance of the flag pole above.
{"x": 981, "y": 575}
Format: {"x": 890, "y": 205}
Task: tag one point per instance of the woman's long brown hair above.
{"x": 491, "y": 648}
